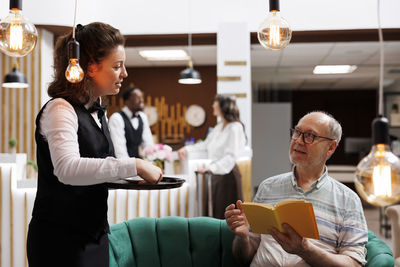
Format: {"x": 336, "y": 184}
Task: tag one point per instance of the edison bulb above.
{"x": 378, "y": 176}
{"x": 17, "y": 35}
{"x": 274, "y": 32}
{"x": 74, "y": 72}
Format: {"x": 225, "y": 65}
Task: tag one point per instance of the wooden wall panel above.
{"x": 159, "y": 82}
{"x": 19, "y": 106}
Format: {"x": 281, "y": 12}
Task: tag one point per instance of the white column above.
{"x": 234, "y": 67}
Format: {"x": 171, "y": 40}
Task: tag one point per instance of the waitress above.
{"x": 76, "y": 157}
{"x": 223, "y": 145}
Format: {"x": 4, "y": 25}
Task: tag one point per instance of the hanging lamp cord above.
{"x": 74, "y": 25}
{"x": 189, "y": 32}
{"x": 381, "y": 64}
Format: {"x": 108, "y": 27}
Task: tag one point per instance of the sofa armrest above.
{"x": 378, "y": 253}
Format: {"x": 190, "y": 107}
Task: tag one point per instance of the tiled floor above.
{"x": 372, "y": 217}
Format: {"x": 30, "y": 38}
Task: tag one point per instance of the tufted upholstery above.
{"x": 171, "y": 242}
{"x": 193, "y": 242}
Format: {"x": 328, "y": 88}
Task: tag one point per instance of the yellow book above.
{"x": 299, "y": 214}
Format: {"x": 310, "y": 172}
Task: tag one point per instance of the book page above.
{"x": 261, "y": 217}
{"x": 299, "y": 214}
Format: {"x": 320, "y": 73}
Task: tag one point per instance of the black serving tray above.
{"x": 140, "y": 184}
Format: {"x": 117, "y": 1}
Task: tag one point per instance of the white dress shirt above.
{"x": 117, "y": 131}
{"x": 59, "y": 126}
{"x": 223, "y": 146}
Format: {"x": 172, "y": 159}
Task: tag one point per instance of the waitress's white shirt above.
{"x": 59, "y": 126}
{"x": 223, "y": 146}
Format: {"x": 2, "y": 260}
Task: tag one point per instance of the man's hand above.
{"x": 245, "y": 244}
{"x": 291, "y": 242}
{"x": 236, "y": 220}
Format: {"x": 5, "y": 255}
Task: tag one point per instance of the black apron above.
{"x": 226, "y": 189}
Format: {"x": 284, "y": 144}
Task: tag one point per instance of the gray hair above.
{"x": 335, "y": 129}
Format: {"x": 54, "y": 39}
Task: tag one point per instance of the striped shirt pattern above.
{"x": 338, "y": 211}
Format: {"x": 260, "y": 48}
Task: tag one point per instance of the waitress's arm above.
{"x": 59, "y": 125}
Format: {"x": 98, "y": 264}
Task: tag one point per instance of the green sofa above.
{"x": 197, "y": 242}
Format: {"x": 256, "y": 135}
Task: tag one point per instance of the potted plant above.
{"x": 12, "y": 143}
{"x": 31, "y": 169}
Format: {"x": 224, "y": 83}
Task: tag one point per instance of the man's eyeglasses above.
{"x": 308, "y": 137}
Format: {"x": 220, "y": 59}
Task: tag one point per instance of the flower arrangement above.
{"x": 158, "y": 152}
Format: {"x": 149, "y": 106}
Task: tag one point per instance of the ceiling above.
{"x": 291, "y": 68}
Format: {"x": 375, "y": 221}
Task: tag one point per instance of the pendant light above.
{"x": 18, "y": 36}
{"x": 274, "y": 32}
{"x": 378, "y": 174}
{"x": 15, "y": 79}
{"x": 189, "y": 75}
{"x": 74, "y": 72}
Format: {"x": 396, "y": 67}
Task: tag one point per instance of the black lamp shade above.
{"x": 380, "y": 130}
{"x": 73, "y": 49}
{"x": 16, "y": 4}
{"x": 274, "y": 5}
{"x": 190, "y": 76}
{"x": 15, "y": 79}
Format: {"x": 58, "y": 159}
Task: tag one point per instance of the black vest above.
{"x": 133, "y": 137}
{"x": 80, "y": 210}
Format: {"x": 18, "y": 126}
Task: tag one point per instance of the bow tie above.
{"x": 135, "y": 116}
{"x": 97, "y": 107}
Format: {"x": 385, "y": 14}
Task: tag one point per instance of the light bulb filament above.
{"x": 16, "y": 39}
{"x": 74, "y": 72}
{"x": 274, "y": 35}
{"x": 381, "y": 179}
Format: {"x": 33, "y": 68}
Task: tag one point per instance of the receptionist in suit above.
{"x": 75, "y": 155}
{"x": 223, "y": 145}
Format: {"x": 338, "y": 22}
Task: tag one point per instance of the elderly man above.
{"x": 129, "y": 128}
{"x": 338, "y": 210}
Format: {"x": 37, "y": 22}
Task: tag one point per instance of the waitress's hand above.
{"x": 182, "y": 153}
{"x": 148, "y": 171}
{"x": 204, "y": 170}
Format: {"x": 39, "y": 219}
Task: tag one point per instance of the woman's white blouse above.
{"x": 223, "y": 145}
{"x": 59, "y": 126}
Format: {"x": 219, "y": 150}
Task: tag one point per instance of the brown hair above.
{"x": 229, "y": 109}
{"x": 96, "y": 41}
{"x": 228, "y": 106}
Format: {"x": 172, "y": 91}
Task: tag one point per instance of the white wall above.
{"x": 158, "y": 16}
{"x": 47, "y": 48}
{"x": 233, "y": 44}
{"x": 271, "y": 124}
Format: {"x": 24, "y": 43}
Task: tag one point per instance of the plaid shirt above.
{"x": 338, "y": 212}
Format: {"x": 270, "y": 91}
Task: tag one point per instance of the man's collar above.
{"x": 128, "y": 112}
{"x": 317, "y": 184}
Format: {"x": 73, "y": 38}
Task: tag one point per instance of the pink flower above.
{"x": 158, "y": 152}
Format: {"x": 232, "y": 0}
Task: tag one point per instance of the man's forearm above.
{"x": 244, "y": 249}
{"x": 316, "y": 256}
